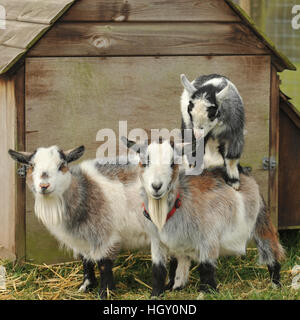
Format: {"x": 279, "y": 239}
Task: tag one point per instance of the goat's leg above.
{"x": 182, "y": 272}
{"x": 232, "y": 173}
{"x": 89, "y": 278}
{"x": 159, "y": 271}
{"x": 231, "y": 152}
{"x": 207, "y": 273}
{"x": 274, "y": 271}
{"x": 172, "y": 273}
{"x": 107, "y": 280}
{"x": 269, "y": 248}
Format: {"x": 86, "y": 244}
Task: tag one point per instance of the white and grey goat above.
{"x": 211, "y": 105}
{"x": 92, "y": 208}
{"x": 200, "y": 218}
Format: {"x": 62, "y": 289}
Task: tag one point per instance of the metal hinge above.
{"x": 269, "y": 163}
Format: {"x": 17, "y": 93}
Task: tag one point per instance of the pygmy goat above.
{"x": 212, "y": 105}
{"x": 200, "y": 218}
{"x": 92, "y": 208}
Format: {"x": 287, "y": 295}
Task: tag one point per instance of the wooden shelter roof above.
{"x": 289, "y": 109}
{"x": 28, "y": 20}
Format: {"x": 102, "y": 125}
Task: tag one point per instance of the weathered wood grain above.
{"x": 99, "y": 39}
{"x": 289, "y": 167}
{"x": 20, "y": 145}
{"x": 21, "y": 34}
{"x": 45, "y": 12}
{"x": 12, "y": 196}
{"x": 69, "y": 99}
{"x": 7, "y": 172}
{"x": 274, "y": 145}
{"x": 8, "y": 56}
{"x": 150, "y": 10}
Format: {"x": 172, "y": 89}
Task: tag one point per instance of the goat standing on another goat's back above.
{"x": 213, "y": 104}
{"x": 209, "y": 218}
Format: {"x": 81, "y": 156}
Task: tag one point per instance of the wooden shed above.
{"x": 70, "y": 68}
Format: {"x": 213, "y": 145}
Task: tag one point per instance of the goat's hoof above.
{"x": 169, "y": 286}
{"x": 208, "y": 289}
{"x": 106, "y": 293}
{"x": 156, "y": 294}
{"x": 88, "y": 285}
{"x": 178, "y": 288}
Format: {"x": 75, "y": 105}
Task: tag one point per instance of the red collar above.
{"x": 177, "y": 205}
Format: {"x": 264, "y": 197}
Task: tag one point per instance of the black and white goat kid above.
{"x": 211, "y": 105}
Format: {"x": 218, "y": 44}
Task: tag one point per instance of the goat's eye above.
{"x": 61, "y": 167}
{"x": 191, "y": 106}
{"x": 145, "y": 163}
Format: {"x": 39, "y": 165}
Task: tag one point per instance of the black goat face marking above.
{"x": 212, "y": 112}
{"x": 190, "y": 106}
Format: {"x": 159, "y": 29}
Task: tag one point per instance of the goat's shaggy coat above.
{"x": 92, "y": 208}
{"x": 213, "y": 220}
{"x": 213, "y": 104}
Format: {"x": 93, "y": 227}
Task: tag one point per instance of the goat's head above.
{"x": 204, "y": 104}
{"x": 160, "y": 162}
{"x": 47, "y": 168}
{"x": 159, "y": 165}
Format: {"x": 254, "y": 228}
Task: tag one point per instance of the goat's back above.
{"x": 220, "y": 211}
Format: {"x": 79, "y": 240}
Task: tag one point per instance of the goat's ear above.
{"x": 131, "y": 145}
{"x": 223, "y": 94}
{"x": 74, "y": 154}
{"x": 22, "y": 157}
{"x": 187, "y": 85}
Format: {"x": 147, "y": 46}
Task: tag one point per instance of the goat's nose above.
{"x": 44, "y": 175}
{"x": 44, "y": 186}
{"x": 156, "y": 186}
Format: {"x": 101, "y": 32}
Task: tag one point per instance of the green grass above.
{"x": 291, "y": 85}
{"x": 238, "y": 277}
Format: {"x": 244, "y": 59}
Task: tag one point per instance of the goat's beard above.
{"x": 49, "y": 210}
{"x": 158, "y": 210}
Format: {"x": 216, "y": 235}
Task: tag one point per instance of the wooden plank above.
{"x": 21, "y": 34}
{"x": 150, "y": 10}
{"x": 12, "y": 196}
{"x": 20, "y": 145}
{"x": 99, "y": 39}
{"x": 289, "y": 173}
{"x": 7, "y": 172}
{"x": 45, "y": 12}
{"x": 274, "y": 145}
{"x": 73, "y": 98}
{"x": 8, "y": 56}
{"x": 290, "y": 110}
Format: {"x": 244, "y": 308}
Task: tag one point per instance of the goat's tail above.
{"x": 269, "y": 248}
